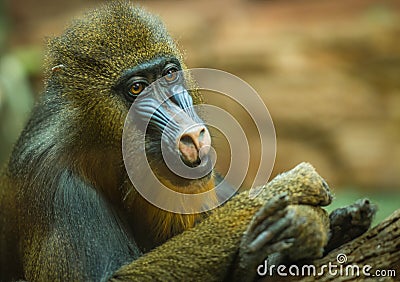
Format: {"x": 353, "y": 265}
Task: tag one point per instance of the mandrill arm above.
{"x": 76, "y": 238}
{"x": 271, "y": 222}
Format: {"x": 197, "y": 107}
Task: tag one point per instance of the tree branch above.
{"x": 379, "y": 247}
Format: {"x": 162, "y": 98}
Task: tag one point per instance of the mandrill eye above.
{"x": 171, "y": 74}
{"x": 136, "y": 88}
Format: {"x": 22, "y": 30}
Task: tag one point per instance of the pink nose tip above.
{"x": 194, "y": 143}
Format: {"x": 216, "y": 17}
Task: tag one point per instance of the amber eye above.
{"x": 136, "y": 88}
{"x": 171, "y": 74}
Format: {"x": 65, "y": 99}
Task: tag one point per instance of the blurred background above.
{"x": 328, "y": 71}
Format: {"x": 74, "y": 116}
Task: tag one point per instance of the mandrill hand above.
{"x": 282, "y": 233}
{"x": 349, "y": 222}
{"x": 290, "y": 226}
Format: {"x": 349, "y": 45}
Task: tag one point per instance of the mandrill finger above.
{"x": 270, "y": 210}
{"x": 280, "y": 246}
{"x": 266, "y": 236}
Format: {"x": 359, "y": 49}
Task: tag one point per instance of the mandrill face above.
{"x": 162, "y": 113}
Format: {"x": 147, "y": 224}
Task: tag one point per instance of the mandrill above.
{"x": 68, "y": 211}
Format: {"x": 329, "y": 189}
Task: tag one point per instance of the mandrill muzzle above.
{"x": 167, "y": 109}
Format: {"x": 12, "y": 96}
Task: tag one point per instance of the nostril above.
{"x": 187, "y": 140}
{"x": 196, "y": 163}
{"x": 201, "y": 135}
